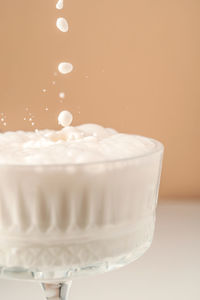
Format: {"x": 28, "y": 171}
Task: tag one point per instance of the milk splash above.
{"x": 3, "y": 119}
{"x": 61, "y": 95}
{"x": 65, "y": 117}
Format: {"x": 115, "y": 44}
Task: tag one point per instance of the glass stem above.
{"x": 56, "y": 291}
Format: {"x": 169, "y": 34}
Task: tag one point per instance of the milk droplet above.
{"x": 2, "y": 119}
{"x": 59, "y": 4}
{"x": 62, "y": 95}
{"x": 65, "y": 67}
{"x": 53, "y": 82}
{"x": 65, "y": 118}
{"x": 32, "y": 123}
{"x": 62, "y": 24}
{"x": 4, "y": 124}
{"x": 46, "y": 108}
{"x": 44, "y": 90}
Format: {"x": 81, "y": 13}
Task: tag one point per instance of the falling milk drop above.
{"x": 62, "y": 24}
{"x": 59, "y": 4}
{"x": 65, "y": 118}
{"x": 65, "y": 67}
{"x": 61, "y": 95}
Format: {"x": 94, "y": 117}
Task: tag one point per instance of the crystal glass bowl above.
{"x": 60, "y": 221}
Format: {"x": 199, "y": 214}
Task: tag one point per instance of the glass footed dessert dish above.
{"x": 62, "y": 220}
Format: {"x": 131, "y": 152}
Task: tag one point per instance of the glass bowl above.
{"x": 62, "y": 221}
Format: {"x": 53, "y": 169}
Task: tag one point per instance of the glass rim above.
{"x": 159, "y": 147}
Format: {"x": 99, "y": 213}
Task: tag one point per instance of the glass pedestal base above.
{"x": 67, "y": 274}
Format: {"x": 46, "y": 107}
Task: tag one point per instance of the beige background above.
{"x": 136, "y": 68}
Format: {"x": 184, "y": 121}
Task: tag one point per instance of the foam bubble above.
{"x": 65, "y": 118}
{"x": 65, "y": 67}
{"x": 62, "y": 24}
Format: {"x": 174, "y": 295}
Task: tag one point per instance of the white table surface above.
{"x": 170, "y": 270}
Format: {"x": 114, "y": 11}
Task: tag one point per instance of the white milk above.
{"x": 59, "y": 4}
{"x": 62, "y": 24}
{"x": 65, "y": 118}
{"x": 65, "y": 67}
{"x": 76, "y": 197}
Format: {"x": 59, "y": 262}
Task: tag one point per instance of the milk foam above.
{"x": 78, "y": 144}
